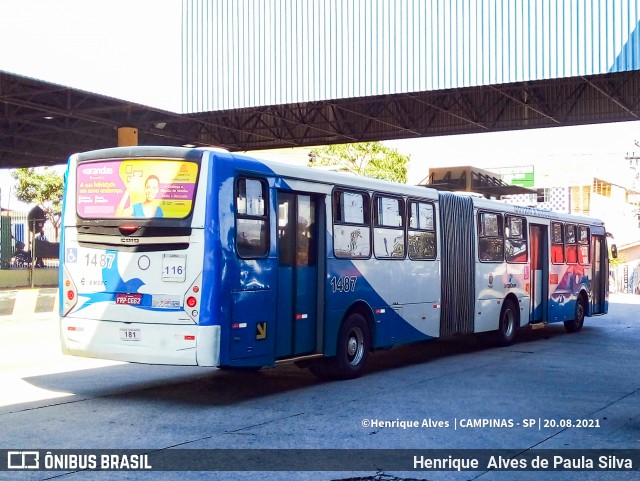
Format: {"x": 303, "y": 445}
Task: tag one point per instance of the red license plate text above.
{"x": 130, "y": 299}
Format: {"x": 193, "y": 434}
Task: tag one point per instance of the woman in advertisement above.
{"x": 149, "y": 207}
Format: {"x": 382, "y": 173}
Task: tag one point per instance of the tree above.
{"x": 42, "y": 187}
{"x": 370, "y": 159}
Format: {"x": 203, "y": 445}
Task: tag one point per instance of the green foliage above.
{"x": 370, "y": 159}
{"x": 42, "y": 187}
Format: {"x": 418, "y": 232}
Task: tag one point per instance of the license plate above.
{"x": 129, "y": 334}
{"x": 130, "y": 299}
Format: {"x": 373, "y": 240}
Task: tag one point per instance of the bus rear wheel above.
{"x": 354, "y": 344}
{"x": 576, "y": 324}
{"x": 508, "y": 323}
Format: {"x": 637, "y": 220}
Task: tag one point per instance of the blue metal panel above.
{"x": 245, "y": 53}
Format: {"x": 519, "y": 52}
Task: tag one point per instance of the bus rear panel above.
{"x": 131, "y": 276}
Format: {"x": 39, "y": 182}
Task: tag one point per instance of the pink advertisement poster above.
{"x": 136, "y": 188}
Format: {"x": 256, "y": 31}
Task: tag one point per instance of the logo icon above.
{"x": 23, "y": 460}
{"x": 72, "y": 254}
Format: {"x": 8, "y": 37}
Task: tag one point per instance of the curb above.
{"x": 24, "y": 302}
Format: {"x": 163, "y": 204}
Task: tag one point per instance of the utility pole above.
{"x": 634, "y": 160}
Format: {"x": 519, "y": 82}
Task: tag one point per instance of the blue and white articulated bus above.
{"x": 203, "y": 257}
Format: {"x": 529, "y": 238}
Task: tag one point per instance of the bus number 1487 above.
{"x": 104, "y": 260}
{"x": 343, "y": 284}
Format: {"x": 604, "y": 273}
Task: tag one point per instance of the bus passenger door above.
{"x": 297, "y": 309}
{"x": 599, "y": 274}
{"x": 539, "y": 273}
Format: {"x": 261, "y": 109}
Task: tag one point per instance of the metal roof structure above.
{"x": 522, "y": 105}
{"x": 289, "y": 73}
{"x": 43, "y": 123}
{"x": 240, "y": 55}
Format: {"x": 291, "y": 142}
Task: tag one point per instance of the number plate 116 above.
{"x": 174, "y": 267}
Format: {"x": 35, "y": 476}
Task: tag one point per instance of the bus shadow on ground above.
{"x": 418, "y": 353}
{"x": 217, "y": 387}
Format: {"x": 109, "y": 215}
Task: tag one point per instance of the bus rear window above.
{"x": 151, "y": 188}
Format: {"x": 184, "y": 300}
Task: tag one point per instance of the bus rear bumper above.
{"x": 184, "y": 345}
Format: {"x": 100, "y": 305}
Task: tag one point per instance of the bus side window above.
{"x": 422, "y": 231}
{"x": 557, "y": 243}
{"x": 351, "y": 225}
{"x": 490, "y": 237}
{"x": 571, "y": 246}
{"x": 515, "y": 239}
{"x": 583, "y": 245}
{"x": 252, "y": 229}
{"x": 388, "y": 235}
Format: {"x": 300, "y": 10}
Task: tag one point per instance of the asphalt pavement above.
{"x": 52, "y": 401}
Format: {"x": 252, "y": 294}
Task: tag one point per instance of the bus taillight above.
{"x": 70, "y": 297}
{"x": 192, "y": 297}
{"x": 128, "y": 229}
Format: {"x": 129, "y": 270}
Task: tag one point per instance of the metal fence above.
{"x": 17, "y": 246}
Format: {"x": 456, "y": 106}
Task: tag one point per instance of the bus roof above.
{"x": 365, "y": 183}
{"x": 321, "y": 176}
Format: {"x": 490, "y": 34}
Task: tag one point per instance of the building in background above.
{"x": 611, "y": 194}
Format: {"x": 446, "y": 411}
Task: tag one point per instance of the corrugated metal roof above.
{"x": 248, "y": 53}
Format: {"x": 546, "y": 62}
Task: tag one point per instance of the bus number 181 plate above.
{"x": 128, "y": 334}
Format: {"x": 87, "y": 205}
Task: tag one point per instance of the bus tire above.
{"x": 354, "y": 344}
{"x": 576, "y": 324}
{"x": 509, "y": 316}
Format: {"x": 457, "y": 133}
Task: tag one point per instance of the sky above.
{"x": 594, "y": 147}
{"x": 129, "y": 49}
{"x": 132, "y": 50}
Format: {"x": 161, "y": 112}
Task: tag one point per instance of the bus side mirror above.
{"x": 614, "y": 251}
